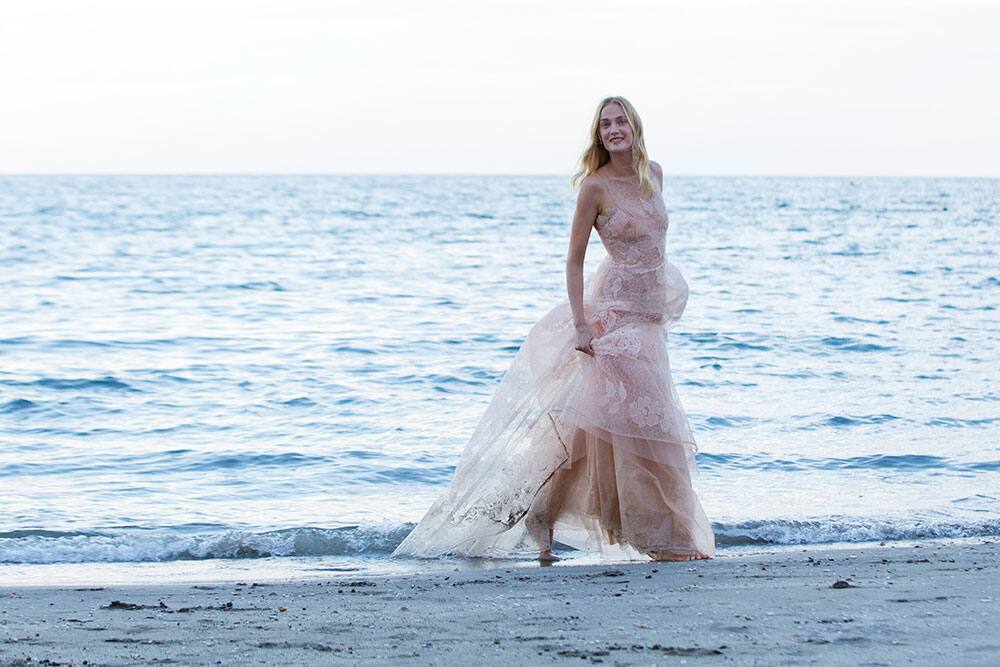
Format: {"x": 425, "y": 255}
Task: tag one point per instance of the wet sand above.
{"x": 933, "y": 604}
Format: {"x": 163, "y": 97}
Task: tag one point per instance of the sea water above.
{"x": 240, "y": 370}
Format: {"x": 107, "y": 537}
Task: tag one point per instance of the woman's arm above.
{"x": 587, "y": 208}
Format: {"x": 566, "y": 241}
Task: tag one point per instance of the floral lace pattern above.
{"x": 613, "y": 397}
{"x": 645, "y": 411}
{"x": 622, "y": 342}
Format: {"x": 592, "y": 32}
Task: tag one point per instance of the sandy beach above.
{"x": 928, "y": 604}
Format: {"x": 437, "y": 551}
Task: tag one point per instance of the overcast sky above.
{"x": 852, "y": 87}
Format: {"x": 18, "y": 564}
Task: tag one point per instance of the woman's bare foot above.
{"x": 546, "y": 556}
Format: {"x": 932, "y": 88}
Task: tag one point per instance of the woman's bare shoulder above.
{"x": 591, "y": 185}
{"x": 593, "y": 196}
{"x": 657, "y": 172}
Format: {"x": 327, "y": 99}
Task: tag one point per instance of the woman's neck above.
{"x": 621, "y": 164}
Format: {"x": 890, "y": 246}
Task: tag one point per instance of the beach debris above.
{"x": 686, "y": 650}
{"x": 608, "y": 573}
{"x": 315, "y": 646}
{"x": 472, "y": 581}
{"x": 131, "y": 606}
{"x": 668, "y": 650}
{"x": 578, "y": 653}
{"x": 226, "y": 606}
{"x": 355, "y": 584}
{"x": 840, "y": 583}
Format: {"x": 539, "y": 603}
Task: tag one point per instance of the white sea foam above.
{"x": 380, "y": 538}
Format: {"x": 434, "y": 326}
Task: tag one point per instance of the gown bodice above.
{"x": 635, "y": 277}
{"x": 634, "y": 226}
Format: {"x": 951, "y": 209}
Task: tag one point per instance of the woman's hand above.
{"x": 584, "y": 336}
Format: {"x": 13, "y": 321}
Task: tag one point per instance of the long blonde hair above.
{"x": 596, "y": 155}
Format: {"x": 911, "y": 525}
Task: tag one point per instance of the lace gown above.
{"x": 599, "y": 447}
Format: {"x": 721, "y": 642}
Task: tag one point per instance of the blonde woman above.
{"x": 585, "y": 441}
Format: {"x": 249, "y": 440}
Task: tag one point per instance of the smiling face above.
{"x": 615, "y": 132}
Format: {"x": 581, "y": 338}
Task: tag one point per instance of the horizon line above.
{"x": 4, "y": 174}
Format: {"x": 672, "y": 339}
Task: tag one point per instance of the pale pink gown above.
{"x": 599, "y": 447}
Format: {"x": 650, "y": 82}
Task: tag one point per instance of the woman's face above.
{"x": 616, "y": 134}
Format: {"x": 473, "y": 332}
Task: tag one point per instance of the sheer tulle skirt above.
{"x": 599, "y": 448}
{"x": 606, "y": 496}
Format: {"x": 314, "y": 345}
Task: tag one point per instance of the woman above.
{"x": 585, "y": 440}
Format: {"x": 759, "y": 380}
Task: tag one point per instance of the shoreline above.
{"x": 928, "y": 603}
{"x": 288, "y": 569}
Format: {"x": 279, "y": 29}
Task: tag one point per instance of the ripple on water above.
{"x": 856, "y": 420}
{"x": 75, "y": 384}
{"x": 853, "y": 345}
{"x": 18, "y": 405}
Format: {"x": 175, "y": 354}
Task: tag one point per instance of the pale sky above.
{"x": 845, "y": 87}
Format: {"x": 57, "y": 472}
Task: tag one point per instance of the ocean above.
{"x": 276, "y": 375}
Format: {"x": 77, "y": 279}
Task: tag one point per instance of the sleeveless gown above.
{"x": 597, "y": 447}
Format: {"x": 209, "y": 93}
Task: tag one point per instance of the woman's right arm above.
{"x": 587, "y": 207}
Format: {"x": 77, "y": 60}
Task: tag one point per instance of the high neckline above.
{"x": 621, "y": 178}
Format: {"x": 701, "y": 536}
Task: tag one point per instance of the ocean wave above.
{"x": 39, "y": 546}
{"x": 909, "y": 462}
{"x": 847, "y": 529}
